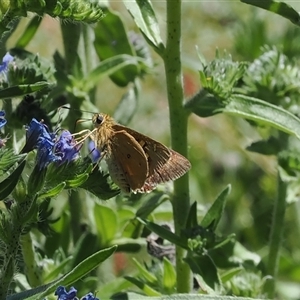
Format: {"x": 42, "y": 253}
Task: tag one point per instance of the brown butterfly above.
{"x": 135, "y": 162}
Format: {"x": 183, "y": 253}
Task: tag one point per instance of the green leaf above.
{"x": 280, "y": 8}
{"x": 58, "y": 270}
{"x": 80, "y": 251}
{"x": 127, "y": 106}
{"x": 76, "y": 181}
{"x": 143, "y": 286}
{"x": 192, "y": 220}
{"x": 23, "y": 89}
{"x": 252, "y": 109}
{"x": 106, "y": 224}
{"x": 8, "y": 158}
{"x": 169, "y": 276}
{"x": 204, "y": 266}
{"x": 109, "y": 66}
{"x": 143, "y": 272}
{"x": 272, "y": 146}
{"x": 111, "y": 40}
{"x": 128, "y": 244}
{"x": 7, "y": 185}
{"x": 165, "y": 234}
{"x": 228, "y": 275}
{"x": 52, "y": 192}
{"x": 149, "y": 206}
{"x": 98, "y": 184}
{"x": 144, "y": 17}
{"x": 214, "y": 214}
{"x": 29, "y": 32}
{"x": 263, "y": 112}
{"x": 78, "y": 272}
{"x": 204, "y": 104}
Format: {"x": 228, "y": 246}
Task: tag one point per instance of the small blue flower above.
{"x": 2, "y": 124}
{"x": 7, "y": 58}
{"x": 34, "y": 131}
{"x": 64, "y": 295}
{"x": 2, "y": 119}
{"x": 95, "y": 153}
{"x": 89, "y": 296}
{"x": 45, "y": 153}
{"x": 66, "y": 147}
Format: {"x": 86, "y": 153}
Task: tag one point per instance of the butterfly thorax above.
{"x": 103, "y": 131}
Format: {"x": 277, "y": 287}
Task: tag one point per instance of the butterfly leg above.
{"x": 103, "y": 153}
{"x": 81, "y": 139}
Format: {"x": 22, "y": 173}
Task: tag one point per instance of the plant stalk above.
{"x": 178, "y": 128}
{"x": 276, "y": 236}
{"x": 33, "y": 272}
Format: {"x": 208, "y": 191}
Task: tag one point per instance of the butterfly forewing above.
{"x": 127, "y": 162}
{"x": 164, "y": 164}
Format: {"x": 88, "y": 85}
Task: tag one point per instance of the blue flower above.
{"x": 71, "y": 295}
{"x": 49, "y": 147}
{"x": 95, "y": 153}
{"x": 89, "y": 296}
{"x": 7, "y": 58}
{"x": 64, "y": 295}
{"x": 2, "y": 124}
{"x": 34, "y": 131}
{"x": 45, "y": 153}
{"x": 2, "y": 119}
{"x": 66, "y": 147}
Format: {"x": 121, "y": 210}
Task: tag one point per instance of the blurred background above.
{"x": 216, "y": 144}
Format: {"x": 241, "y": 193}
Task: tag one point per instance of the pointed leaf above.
{"x": 29, "y": 32}
{"x": 272, "y": 146}
{"x": 148, "y": 276}
{"x": 214, "y": 214}
{"x": 78, "y": 272}
{"x": 149, "y": 206}
{"x": 144, "y": 17}
{"x": 98, "y": 184}
{"x": 143, "y": 286}
{"x": 8, "y": 158}
{"x": 192, "y": 220}
{"x": 7, "y": 185}
{"x": 280, "y": 8}
{"x": 23, "y": 89}
{"x": 76, "y": 181}
{"x": 249, "y": 108}
{"x": 166, "y": 234}
{"x": 169, "y": 276}
{"x": 204, "y": 266}
{"x": 52, "y": 192}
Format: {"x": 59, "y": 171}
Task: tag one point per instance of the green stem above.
{"x": 33, "y": 272}
{"x": 77, "y": 214}
{"x": 88, "y": 54}
{"x": 71, "y": 35}
{"x": 276, "y": 228}
{"x": 276, "y": 236}
{"x": 9, "y": 261}
{"x": 178, "y": 124}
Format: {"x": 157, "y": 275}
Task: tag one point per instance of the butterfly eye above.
{"x": 99, "y": 119}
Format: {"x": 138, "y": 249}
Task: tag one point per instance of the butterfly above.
{"x": 135, "y": 162}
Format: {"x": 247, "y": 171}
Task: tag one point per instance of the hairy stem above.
{"x": 33, "y": 272}
{"x": 178, "y": 124}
